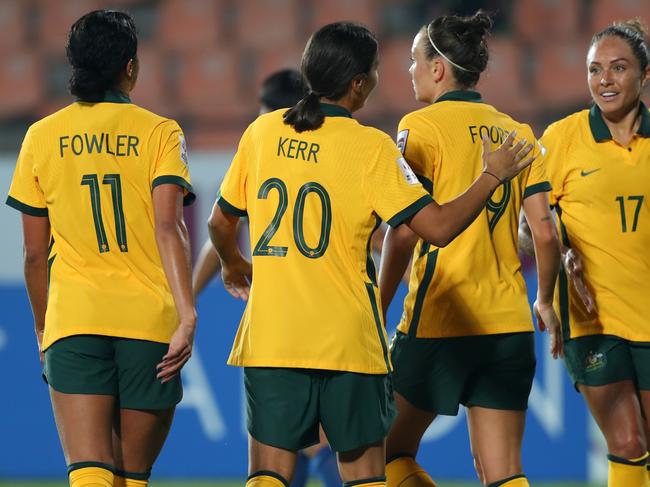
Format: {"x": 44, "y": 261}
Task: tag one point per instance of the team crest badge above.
{"x": 595, "y": 361}
{"x": 181, "y": 139}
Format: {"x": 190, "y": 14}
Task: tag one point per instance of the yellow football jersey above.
{"x": 474, "y": 286}
{"x": 91, "y": 168}
{"x": 313, "y": 201}
{"x": 601, "y": 191}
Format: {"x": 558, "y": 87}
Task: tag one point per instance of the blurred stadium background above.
{"x": 202, "y": 62}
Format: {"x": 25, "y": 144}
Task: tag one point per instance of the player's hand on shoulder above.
{"x": 509, "y": 159}
{"x": 237, "y": 278}
{"x": 547, "y": 320}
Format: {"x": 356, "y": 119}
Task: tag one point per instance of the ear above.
{"x": 438, "y": 68}
{"x": 358, "y": 83}
{"x": 645, "y": 76}
{"x": 131, "y": 68}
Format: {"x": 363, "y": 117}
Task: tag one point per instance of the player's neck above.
{"x": 623, "y": 126}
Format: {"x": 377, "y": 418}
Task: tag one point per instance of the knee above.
{"x": 627, "y": 444}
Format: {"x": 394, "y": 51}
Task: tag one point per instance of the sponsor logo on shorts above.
{"x": 595, "y": 361}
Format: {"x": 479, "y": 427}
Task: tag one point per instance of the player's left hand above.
{"x": 179, "y": 352}
{"x": 548, "y": 320}
{"x": 237, "y": 278}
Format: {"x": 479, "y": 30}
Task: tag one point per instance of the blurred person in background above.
{"x": 282, "y": 89}
{"x": 101, "y": 186}
{"x": 598, "y": 162}
{"x": 315, "y": 185}
{"x": 466, "y": 335}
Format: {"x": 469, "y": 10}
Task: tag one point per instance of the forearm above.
{"x": 174, "y": 247}
{"x": 547, "y": 256}
{"x": 207, "y": 266}
{"x": 440, "y": 224}
{"x": 223, "y": 234}
{"x": 35, "y": 269}
{"x": 395, "y": 257}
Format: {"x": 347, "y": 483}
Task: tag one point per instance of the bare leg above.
{"x": 495, "y": 439}
{"x": 363, "y": 463}
{"x": 138, "y": 437}
{"x": 617, "y": 411}
{"x": 267, "y": 457}
{"x": 407, "y": 430}
{"x": 84, "y": 422}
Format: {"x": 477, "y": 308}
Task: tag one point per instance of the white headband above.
{"x": 445, "y": 57}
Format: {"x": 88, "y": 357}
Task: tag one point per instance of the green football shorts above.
{"x": 120, "y": 367}
{"x": 439, "y": 374}
{"x": 285, "y": 406}
{"x": 597, "y": 360}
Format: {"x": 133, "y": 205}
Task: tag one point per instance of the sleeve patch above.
{"x": 183, "y": 148}
{"x": 408, "y": 173}
{"x": 402, "y": 137}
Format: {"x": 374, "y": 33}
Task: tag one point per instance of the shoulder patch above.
{"x": 183, "y": 147}
{"x": 402, "y": 137}
{"x": 408, "y": 173}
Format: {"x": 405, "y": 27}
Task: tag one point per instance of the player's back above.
{"x": 313, "y": 201}
{"x": 96, "y": 165}
{"x": 474, "y": 285}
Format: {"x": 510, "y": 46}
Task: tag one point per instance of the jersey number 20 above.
{"x": 113, "y": 180}
{"x": 262, "y": 248}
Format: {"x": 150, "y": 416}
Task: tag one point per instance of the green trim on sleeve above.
{"x": 425, "y": 182}
{"x": 230, "y": 209}
{"x": 188, "y": 199}
{"x": 26, "y": 209}
{"x": 544, "y": 186}
{"x": 410, "y": 210}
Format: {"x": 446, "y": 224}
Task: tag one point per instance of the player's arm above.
{"x": 547, "y": 257}
{"x": 36, "y": 234}
{"x": 440, "y": 224}
{"x": 173, "y": 242}
{"x": 395, "y": 257}
{"x": 206, "y": 267}
{"x": 236, "y": 271}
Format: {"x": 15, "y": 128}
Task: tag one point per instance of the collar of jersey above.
{"x": 600, "y": 130}
{"x": 334, "y": 110}
{"x": 112, "y": 96}
{"x": 461, "y": 95}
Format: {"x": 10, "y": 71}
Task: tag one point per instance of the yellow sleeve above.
{"x": 392, "y": 187}
{"x": 551, "y": 141}
{"x": 537, "y": 180}
{"x": 232, "y": 196}
{"x": 417, "y": 149}
{"x": 170, "y": 166}
{"x": 25, "y": 193}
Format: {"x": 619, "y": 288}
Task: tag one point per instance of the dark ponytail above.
{"x": 100, "y": 45}
{"x": 334, "y": 55}
{"x": 463, "y": 42}
{"x": 634, "y": 33}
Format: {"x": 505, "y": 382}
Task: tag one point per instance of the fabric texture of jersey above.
{"x": 474, "y": 286}
{"x": 313, "y": 201}
{"x": 601, "y": 190}
{"x": 91, "y": 168}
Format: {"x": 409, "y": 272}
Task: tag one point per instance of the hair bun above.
{"x": 481, "y": 21}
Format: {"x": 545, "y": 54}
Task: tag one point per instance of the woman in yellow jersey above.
{"x": 466, "y": 334}
{"x": 599, "y": 167}
{"x": 101, "y": 184}
{"x": 315, "y": 184}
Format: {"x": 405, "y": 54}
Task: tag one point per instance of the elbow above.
{"x": 33, "y": 256}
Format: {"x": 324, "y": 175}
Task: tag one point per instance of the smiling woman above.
{"x": 599, "y": 165}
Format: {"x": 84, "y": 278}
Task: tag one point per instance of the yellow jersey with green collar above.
{"x": 601, "y": 191}
{"x": 474, "y": 286}
{"x": 313, "y": 201}
{"x": 91, "y": 168}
